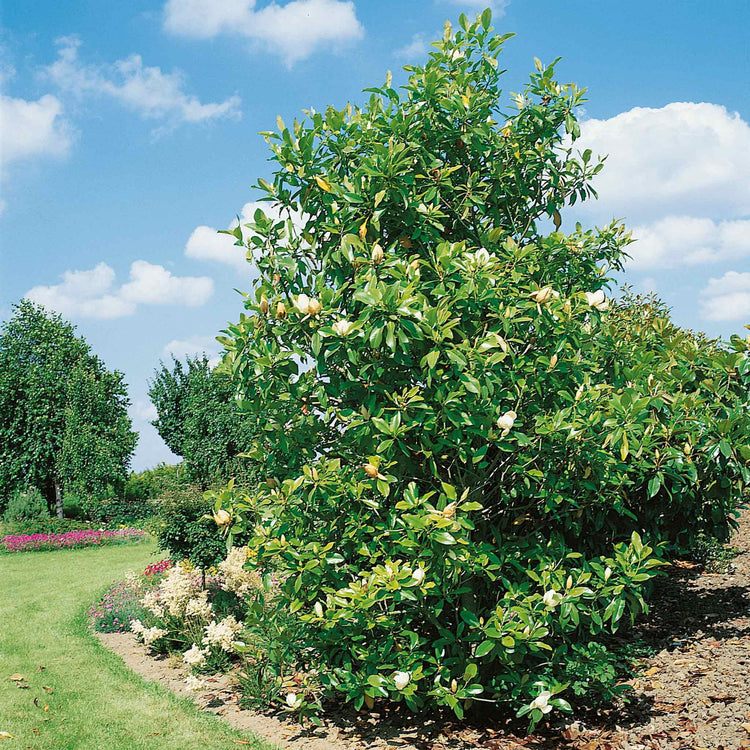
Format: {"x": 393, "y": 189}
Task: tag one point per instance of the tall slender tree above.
{"x": 64, "y": 415}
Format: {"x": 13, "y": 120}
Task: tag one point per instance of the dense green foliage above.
{"x": 65, "y": 424}
{"x": 488, "y": 442}
{"x": 199, "y": 421}
{"x": 25, "y": 505}
{"x": 185, "y": 528}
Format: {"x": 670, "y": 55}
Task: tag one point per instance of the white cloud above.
{"x": 684, "y": 240}
{"x": 153, "y": 285}
{"x": 146, "y": 90}
{"x": 205, "y": 243}
{"x": 32, "y": 128}
{"x": 93, "y": 294}
{"x": 416, "y": 48}
{"x": 195, "y": 347}
{"x": 727, "y": 298}
{"x": 686, "y": 159}
{"x": 294, "y": 30}
{"x": 143, "y": 410}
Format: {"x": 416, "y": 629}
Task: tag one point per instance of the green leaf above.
{"x": 484, "y": 648}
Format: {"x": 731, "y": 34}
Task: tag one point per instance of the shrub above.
{"x": 184, "y": 528}
{"x": 26, "y": 505}
{"x": 495, "y": 452}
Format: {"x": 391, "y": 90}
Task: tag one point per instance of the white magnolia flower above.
{"x": 302, "y": 303}
{"x": 480, "y": 258}
{"x": 342, "y": 327}
{"x": 597, "y": 300}
{"x": 544, "y": 295}
{"x": 418, "y": 575}
{"x": 541, "y": 702}
{"x": 401, "y": 679}
{"x": 505, "y": 422}
{"x": 318, "y": 609}
{"x": 194, "y": 656}
{"x": 293, "y": 700}
{"x": 552, "y": 598}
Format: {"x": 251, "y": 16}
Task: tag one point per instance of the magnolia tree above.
{"x": 486, "y": 442}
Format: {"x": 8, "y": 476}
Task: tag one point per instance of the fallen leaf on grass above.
{"x": 35, "y": 731}
{"x": 22, "y": 686}
{"x": 243, "y": 742}
{"x": 47, "y": 690}
{"x": 16, "y": 677}
{"x": 41, "y": 668}
{"x": 6, "y": 736}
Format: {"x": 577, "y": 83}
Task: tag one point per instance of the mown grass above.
{"x": 93, "y": 700}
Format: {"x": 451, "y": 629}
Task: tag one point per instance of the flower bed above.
{"x": 69, "y": 540}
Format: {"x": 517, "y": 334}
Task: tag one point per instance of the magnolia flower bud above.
{"x": 371, "y": 471}
{"x": 314, "y": 474}
{"x": 454, "y": 686}
{"x": 222, "y": 518}
{"x": 281, "y": 310}
{"x": 569, "y": 583}
{"x": 318, "y": 609}
{"x": 414, "y": 265}
{"x": 342, "y": 327}
{"x": 314, "y": 307}
{"x": 450, "y": 510}
{"x": 544, "y": 295}
{"x": 597, "y": 300}
{"x": 418, "y": 575}
{"x": 553, "y": 362}
{"x": 377, "y": 254}
{"x": 401, "y": 679}
{"x": 505, "y": 422}
{"x": 302, "y": 303}
{"x": 607, "y": 573}
{"x": 264, "y": 305}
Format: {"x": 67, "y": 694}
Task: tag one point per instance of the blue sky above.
{"x": 128, "y": 134}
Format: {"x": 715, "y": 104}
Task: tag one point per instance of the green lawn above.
{"x": 96, "y": 702}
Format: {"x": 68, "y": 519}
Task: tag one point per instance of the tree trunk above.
{"x": 58, "y": 499}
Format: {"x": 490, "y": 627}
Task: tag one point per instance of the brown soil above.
{"x": 694, "y": 694}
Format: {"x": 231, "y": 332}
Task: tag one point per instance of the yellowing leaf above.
{"x": 624, "y": 448}
{"x": 465, "y": 100}
{"x": 323, "y": 184}
{"x": 557, "y": 219}
{"x": 363, "y": 230}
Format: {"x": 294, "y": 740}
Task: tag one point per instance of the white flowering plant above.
{"x": 205, "y": 624}
{"x": 496, "y": 450}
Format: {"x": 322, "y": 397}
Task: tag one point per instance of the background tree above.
{"x": 64, "y": 416}
{"x": 198, "y": 419}
{"x": 487, "y": 442}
